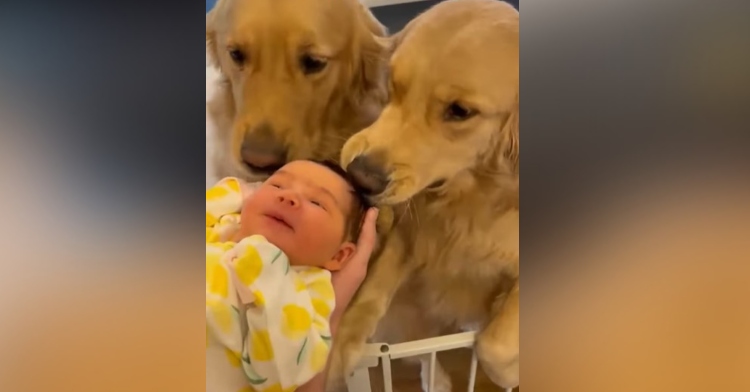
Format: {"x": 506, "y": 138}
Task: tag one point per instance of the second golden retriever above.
{"x": 445, "y": 153}
{"x": 297, "y": 78}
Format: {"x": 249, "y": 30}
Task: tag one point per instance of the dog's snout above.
{"x": 262, "y": 150}
{"x": 368, "y": 175}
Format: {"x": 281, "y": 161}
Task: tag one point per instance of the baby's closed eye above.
{"x": 317, "y": 203}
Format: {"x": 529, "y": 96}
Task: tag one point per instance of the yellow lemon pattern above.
{"x": 322, "y": 288}
{"x": 217, "y": 277}
{"x": 319, "y": 356}
{"x": 321, "y": 307}
{"x": 299, "y": 284}
{"x": 233, "y": 358}
{"x": 277, "y": 336}
{"x": 273, "y": 388}
{"x": 296, "y": 322}
{"x": 248, "y": 266}
{"x": 223, "y": 206}
{"x": 260, "y": 346}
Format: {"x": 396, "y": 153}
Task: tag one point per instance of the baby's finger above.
{"x": 368, "y": 235}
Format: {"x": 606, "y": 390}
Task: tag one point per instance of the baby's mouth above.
{"x": 279, "y": 219}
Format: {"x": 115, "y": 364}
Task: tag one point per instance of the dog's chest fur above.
{"x": 467, "y": 254}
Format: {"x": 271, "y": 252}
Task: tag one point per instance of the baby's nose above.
{"x": 290, "y": 199}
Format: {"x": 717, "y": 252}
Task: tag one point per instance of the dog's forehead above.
{"x": 465, "y": 62}
{"x": 293, "y": 20}
{"x": 461, "y": 37}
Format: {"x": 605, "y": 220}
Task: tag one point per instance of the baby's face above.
{"x": 302, "y": 209}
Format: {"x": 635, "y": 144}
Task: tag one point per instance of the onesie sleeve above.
{"x": 223, "y": 207}
{"x": 288, "y": 336}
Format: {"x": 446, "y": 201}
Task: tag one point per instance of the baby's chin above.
{"x": 291, "y": 242}
{"x": 269, "y": 235}
{"x": 280, "y": 239}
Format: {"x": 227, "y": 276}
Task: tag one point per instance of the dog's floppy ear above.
{"x": 394, "y": 41}
{"x": 373, "y": 67}
{"x": 510, "y": 139}
{"x": 212, "y": 54}
{"x": 373, "y": 24}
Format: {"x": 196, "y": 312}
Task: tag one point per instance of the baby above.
{"x": 268, "y": 282}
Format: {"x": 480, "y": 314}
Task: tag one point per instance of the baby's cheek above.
{"x": 250, "y": 208}
{"x": 313, "y": 242}
{"x": 249, "y": 225}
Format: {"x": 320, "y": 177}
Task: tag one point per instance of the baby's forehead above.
{"x": 313, "y": 173}
{"x": 319, "y": 176}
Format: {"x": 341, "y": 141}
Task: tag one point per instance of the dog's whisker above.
{"x": 339, "y": 138}
{"x": 416, "y": 213}
{"x": 408, "y": 208}
{"x": 400, "y": 218}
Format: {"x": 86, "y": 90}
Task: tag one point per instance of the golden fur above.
{"x": 451, "y": 259}
{"x": 312, "y": 115}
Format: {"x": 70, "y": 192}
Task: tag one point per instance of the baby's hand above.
{"x": 346, "y": 282}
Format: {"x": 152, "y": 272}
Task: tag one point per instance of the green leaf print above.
{"x": 252, "y": 376}
{"x": 276, "y": 257}
{"x": 257, "y": 382}
{"x": 299, "y": 356}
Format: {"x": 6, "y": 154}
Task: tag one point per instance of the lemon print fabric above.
{"x": 321, "y": 307}
{"x": 217, "y": 276}
{"x": 260, "y": 346}
{"x": 321, "y": 287}
{"x": 223, "y": 206}
{"x": 319, "y": 356}
{"x": 287, "y": 337}
{"x": 248, "y": 266}
{"x": 273, "y": 388}
{"x": 295, "y": 322}
{"x": 220, "y": 314}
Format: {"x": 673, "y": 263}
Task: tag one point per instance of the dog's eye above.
{"x": 457, "y": 112}
{"x": 311, "y": 64}
{"x": 237, "y": 56}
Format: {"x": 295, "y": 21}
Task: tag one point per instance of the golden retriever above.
{"x": 297, "y": 78}
{"x": 444, "y": 154}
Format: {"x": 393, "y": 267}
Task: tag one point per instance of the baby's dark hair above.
{"x": 360, "y": 205}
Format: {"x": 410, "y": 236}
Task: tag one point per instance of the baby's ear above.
{"x": 342, "y": 256}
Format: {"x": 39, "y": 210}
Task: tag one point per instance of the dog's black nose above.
{"x": 262, "y": 150}
{"x": 368, "y": 175}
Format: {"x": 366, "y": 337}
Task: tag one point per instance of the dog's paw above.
{"x": 350, "y": 340}
{"x": 336, "y": 385}
{"x": 499, "y": 361}
{"x": 442, "y": 378}
{"x": 342, "y": 364}
{"x": 347, "y": 352}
